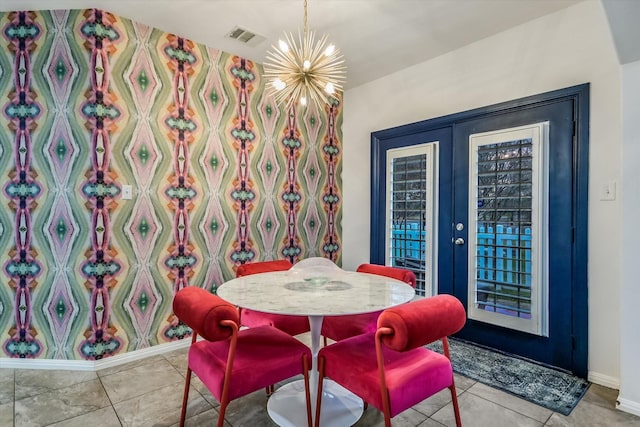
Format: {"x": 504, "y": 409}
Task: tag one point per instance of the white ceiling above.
{"x": 623, "y": 18}
{"x": 377, "y": 37}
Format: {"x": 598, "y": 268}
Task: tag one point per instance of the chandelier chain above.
{"x": 306, "y": 28}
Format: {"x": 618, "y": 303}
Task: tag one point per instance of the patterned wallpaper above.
{"x": 221, "y": 175}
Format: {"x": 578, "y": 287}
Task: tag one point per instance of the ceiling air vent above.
{"x": 245, "y": 36}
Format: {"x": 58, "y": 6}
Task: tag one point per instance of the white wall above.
{"x": 569, "y": 47}
{"x": 630, "y": 253}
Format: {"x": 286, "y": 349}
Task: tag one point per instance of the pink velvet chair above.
{"x": 293, "y": 325}
{"x": 234, "y": 363}
{"x": 391, "y": 369}
{"x": 341, "y": 327}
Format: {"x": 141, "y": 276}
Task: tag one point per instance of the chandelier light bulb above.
{"x": 306, "y": 65}
{"x": 279, "y": 84}
{"x": 303, "y": 100}
{"x": 329, "y": 50}
{"x": 284, "y": 47}
{"x": 329, "y": 88}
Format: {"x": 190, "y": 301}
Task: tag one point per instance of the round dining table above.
{"x": 316, "y": 288}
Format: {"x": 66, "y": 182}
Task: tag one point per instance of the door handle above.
{"x": 459, "y": 241}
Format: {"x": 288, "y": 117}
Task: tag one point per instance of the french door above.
{"x": 513, "y": 232}
{"x": 503, "y": 226}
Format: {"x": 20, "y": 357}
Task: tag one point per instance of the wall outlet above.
{"x": 608, "y": 191}
{"x": 127, "y": 192}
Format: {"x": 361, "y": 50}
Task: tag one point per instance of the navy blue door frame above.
{"x": 448, "y": 130}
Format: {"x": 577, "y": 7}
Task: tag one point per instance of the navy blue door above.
{"x": 494, "y": 241}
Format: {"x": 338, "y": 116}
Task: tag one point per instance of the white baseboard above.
{"x": 93, "y": 365}
{"x": 628, "y": 406}
{"x": 604, "y": 380}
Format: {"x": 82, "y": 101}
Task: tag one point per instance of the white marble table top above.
{"x": 315, "y": 287}
{"x": 323, "y": 292}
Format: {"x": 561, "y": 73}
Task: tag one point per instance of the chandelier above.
{"x": 306, "y": 70}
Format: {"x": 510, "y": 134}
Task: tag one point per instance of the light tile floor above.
{"x": 149, "y": 393}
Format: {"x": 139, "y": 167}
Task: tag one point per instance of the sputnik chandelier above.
{"x": 306, "y": 70}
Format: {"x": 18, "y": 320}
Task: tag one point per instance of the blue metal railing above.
{"x": 503, "y": 255}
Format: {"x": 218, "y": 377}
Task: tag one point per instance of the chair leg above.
{"x": 221, "y": 412}
{"x": 185, "y": 397}
{"x": 305, "y": 368}
{"x": 456, "y": 408}
{"x": 269, "y": 390}
{"x": 319, "y": 395}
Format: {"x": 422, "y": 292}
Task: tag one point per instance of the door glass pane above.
{"x": 507, "y": 280}
{"x": 410, "y": 190}
{"x": 503, "y": 239}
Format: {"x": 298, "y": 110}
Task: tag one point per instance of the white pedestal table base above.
{"x": 340, "y": 407}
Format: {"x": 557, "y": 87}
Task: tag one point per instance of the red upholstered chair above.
{"x": 391, "y": 369}
{"x": 341, "y": 327}
{"x": 234, "y": 363}
{"x": 402, "y": 274}
{"x": 262, "y": 267}
{"x": 293, "y": 325}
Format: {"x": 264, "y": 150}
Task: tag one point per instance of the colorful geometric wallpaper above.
{"x": 91, "y": 102}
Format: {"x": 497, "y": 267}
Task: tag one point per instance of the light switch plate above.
{"x": 127, "y": 191}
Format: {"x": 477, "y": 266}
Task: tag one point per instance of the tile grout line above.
{"x": 48, "y": 390}
{"x": 549, "y": 417}
{"x": 191, "y": 387}
{"x": 458, "y": 394}
{"x": 109, "y": 397}
{"x": 513, "y": 410}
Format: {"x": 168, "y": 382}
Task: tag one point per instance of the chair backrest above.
{"x": 202, "y": 311}
{"x": 403, "y": 274}
{"x": 420, "y": 322}
{"x": 262, "y": 267}
{"x": 316, "y": 265}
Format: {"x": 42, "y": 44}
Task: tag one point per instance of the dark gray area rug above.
{"x": 554, "y": 389}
